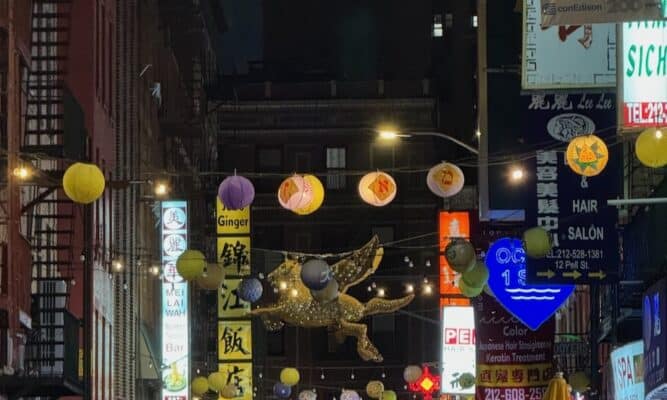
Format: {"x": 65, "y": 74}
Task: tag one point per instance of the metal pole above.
{"x": 594, "y": 334}
{"x": 482, "y": 113}
{"x": 446, "y": 137}
{"x": 629, "y": 202}
{"x": 87, "y": 300}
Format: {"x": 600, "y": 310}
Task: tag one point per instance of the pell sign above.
{"x": 231, "y": 222}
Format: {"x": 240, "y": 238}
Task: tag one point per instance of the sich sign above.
{"x": 458, "y": 350}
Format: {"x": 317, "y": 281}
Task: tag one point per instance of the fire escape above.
{"x": 53, "y": 124}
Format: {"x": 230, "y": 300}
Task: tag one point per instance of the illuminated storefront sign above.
{"x": 234, "y": 325}
{"x": 451, "y": 225}
{"x": 175, "y": 335}
{"x": 644, "y": 74}
{"x": 654, "y": 312}
{"x": 531, "y": 304}
{"x": 627, "y": 363}
{"x": 458, "y": 351}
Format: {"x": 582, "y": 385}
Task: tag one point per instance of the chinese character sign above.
{"x": 458, "y": 351}
{"x": 239, "y": 374}
{"x": 232, "y": 222}
{"x": 644, "y": 75}
{"x": 548, "y": 51}
{"x": 513, "y": 362}
{"x": 234, "y": 340}
{"x": 451, "y": 225}
{"x": 234, "y": 255}
{"x": 654, "y": 311}
{"x": 230, "y": 304}
{"x": 175, "y": 341}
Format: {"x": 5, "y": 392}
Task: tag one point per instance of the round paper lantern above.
{"x": 349, "y": 395}
{"x": 377, "y": 188}
{"x": 579, "y": 381}
{"x": 317, "y": 197}
{"x": 307, "y": 395}
{"x": 199, "y": 386}
{"x": 236, "y": 192}
{"x": 651, "y": 147}
{"x": 83, "y": 183}
{"x": 445, "y": 179}
{"x": 212, "y": 279}
{"x": 294, "y": 192}
{"x": 281, "y": 390}
{"x": 388, "y": 395}
{"x": 477, "y": 276}
{"x": 250, "y": 290}
{"x": 587, "y": 155}
{"x": 536, "y": 242}
{"x": 329, "y": 293}
{"x": 216, "y": 381}
{"x": 374, "y": 389}
{"x": 289, "y": 376}
{"x": 469, "y": 291}
{"x": 460, "y": 255}
{"x": 229, "y": 391}
{"x": 412, "y": 373}
{"x": 315, "y": 274}
{"x": 191, "y": 264}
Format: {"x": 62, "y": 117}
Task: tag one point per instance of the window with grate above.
{"x": 336, "y": 164}
{"x": 437, "y": 31}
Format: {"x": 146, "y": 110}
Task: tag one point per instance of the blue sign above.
{"x": 572, "y": 208}
{"x": 655, "y": 340}
{"x": 530, "y": 304}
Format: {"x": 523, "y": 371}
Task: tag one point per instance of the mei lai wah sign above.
{"x": 644, "y": 74}
{"x": 513, "y": 362}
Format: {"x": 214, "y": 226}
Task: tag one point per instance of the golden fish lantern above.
{"x": 377, "y": 188}
{"x": 587, "y": 155}
{"x": 83, "y": 183}
{"x": 445, "y": 179}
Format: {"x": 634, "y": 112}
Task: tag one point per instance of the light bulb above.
{"x": 425, "y": 280}
{"x": 478, "y": 133}
{"x": 294, "y": 292}
{"x": 161, "y": 188}
{"x": 380, "y": 292}
{"x": 411, "y": 264}
{"x": 406, "y": 259}
{"x": 428, "y": 289}
{"x": 409, "y": 288}
{"x": 260, "y": 275}
{"x": 373, "y": 285}
{"x": 658, "y": 134}
{"x": 428, "y": 263}
{"x": 369, "y": 288}
{"x": 352, "y": 375}
{"x": 117, "y": 265}
{"x": 21, "y": 172}
{"x": 322, "y": 376}
{"x": 124, "y": 286}
{"x": 73, "y": 282}
{"x": 517, "y": 174}
{"x": 275, "y": 290}
{"x": 283, "y": 285}
{"x": 260, "y": 375}
{"x": 383, "y": 375}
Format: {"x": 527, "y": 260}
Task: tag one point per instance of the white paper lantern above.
{"x": 445, "y": 179}
{"x": 377, "y": 188}
{"x": 295, "y": 192}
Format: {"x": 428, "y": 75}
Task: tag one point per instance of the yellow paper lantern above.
{"x": 579, "y": 381}
{"x": 199, "y": 386}
{"x": 374, "y": 389}
{"x": 651, "y": 147}
{"x": 557, "y": 389}
{"x": 229, "y": 391}
{"x": 83, "y": 183}
{"x": 191, "y": 264}
{"x": 295, "y": 192}
{"x": 213, "y": 277}
{"x": 445, "y": 179}
{"x": 216, "y": 381}
{"x": 587, "y": 155}
{"x": 289, "y": 376}
{"x": 377, "y": 188}
{"x": 469, "y": 291}
{"x": 536, "y": 242}
{"x": 388, "y": 395}
{"x": 316, "y": 197}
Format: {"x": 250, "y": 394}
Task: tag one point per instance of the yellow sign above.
{"x": 234, "y": 340}
{"x": 232, "y": 222}
{"x": 514, "y": 375}
{"x": 240, "y": 374}
{"x": 234, "y": 255}
{"x": 229, "y": 303}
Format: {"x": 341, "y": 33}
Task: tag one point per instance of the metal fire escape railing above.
{"x": 52, "y": 347}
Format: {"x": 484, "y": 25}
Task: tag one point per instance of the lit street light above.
{"x": 389, "y": 134}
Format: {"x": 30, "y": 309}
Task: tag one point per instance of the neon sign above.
{"x": 530, "y": 304}
{"x": 427, "y": 384}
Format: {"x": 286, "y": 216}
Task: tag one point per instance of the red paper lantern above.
{"x": 427, "y": 384}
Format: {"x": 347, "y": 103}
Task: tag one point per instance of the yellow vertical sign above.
{"x": 234, "y": 323}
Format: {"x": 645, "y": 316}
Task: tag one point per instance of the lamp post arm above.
{"x": 447, "y": 137}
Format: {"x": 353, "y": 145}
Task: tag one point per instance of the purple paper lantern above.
{"x": 236, "y": 192}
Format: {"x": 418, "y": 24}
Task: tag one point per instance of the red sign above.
{"x": 513, "y": 362}
{"x": 459, "y": 336}
{"x": 645, "y": 114}
{"x": 427, "y": 384}
{"x": 451, "y": 225}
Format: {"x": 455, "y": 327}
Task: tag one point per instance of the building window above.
{"x": 474, "y": 21}
{"x": 449, "y": 21}
{"x": 336, "y": 165}
{"x": 269, "y": 159}
{"x": 437, "y": 25}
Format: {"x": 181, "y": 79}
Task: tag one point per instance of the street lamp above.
{"x": 390, "y": 134}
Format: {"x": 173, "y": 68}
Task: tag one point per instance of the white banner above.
{"x": 627, "y": 363}
{"x": 566, "y": 57}
{"x": 458, "y": 350}
{"x": 582, "y": 12}
{"x": 644, "y": 75}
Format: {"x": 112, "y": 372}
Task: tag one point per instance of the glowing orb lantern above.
{"x": 477, "y": 276}
{"x": 289, "y": 376}
{"x": 317, "y": 196}
{"x": 377, "y": 188}
{"x": 307, "y": 395}
{"x": 587, "y": 155}
{"x": 83, "y": 183}
{"x": 427, "y": 384}
{"x": 229, "y": 391}
{"x": 374, "y": 389}
{"x": 281, "y": 390}
{"x": 412, "y": 373}
{"x": 445, "y": 179}
{"x": 199, "y": 386}
{"x": 468, "y": 290}
{"x": 460, "y": 255}
{"x": 250, "y": 290}
{"x": 191, "y": 264}
{"x": 388, "y": 395}
{"x": 349, "y": 395}
{"x": 212, "y": 278}
{"x": 236, "y": 192}
{"x": 301, "y": 194}
{"x": 216, "y": 381}
{"x": 537, "y": 242}
{"x": 651, "y": 147}
{"x": 315, "y": 274}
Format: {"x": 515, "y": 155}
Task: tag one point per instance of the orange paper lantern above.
{"x": 445, "y": 179}
{"x": 377, "y": 188}
{"x": 587, "y": 155}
